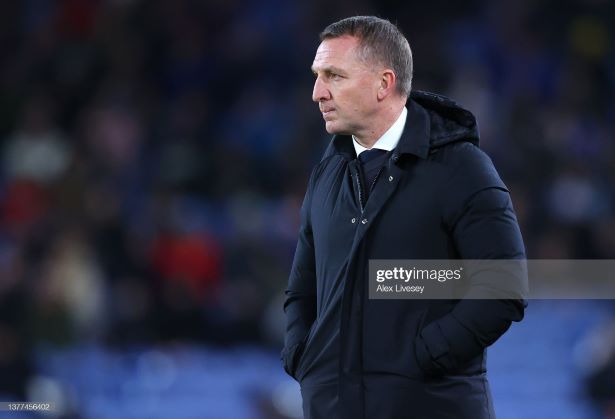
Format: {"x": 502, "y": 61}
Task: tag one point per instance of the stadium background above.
{"x": 154, "y": 155}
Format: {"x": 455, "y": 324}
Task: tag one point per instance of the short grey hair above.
{"x": 380, "y": 41}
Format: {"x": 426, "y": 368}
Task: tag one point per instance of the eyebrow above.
{"x": 329, "y": 69}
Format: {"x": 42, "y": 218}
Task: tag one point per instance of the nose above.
{"x": 320, "y": 91}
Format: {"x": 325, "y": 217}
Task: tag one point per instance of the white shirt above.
{"x": 389, "y": 139}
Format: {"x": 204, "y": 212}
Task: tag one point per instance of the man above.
{"x": 429, "y": 193}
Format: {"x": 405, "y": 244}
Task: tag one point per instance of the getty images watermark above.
{"x": 492, "y": 279}
{"x": 411, "y": 279}
{"x": 406, "y": 279}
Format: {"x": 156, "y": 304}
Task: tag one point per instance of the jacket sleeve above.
{"x": 479, "y": 215}
{"x": 300, "y": 302}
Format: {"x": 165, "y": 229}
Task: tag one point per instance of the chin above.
{"x": 333, "y": 128}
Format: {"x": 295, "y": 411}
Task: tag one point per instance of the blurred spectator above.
{"x": 37, "y": 150}
{"x": 598, "y": 366}
{"x": 70, "y": 295}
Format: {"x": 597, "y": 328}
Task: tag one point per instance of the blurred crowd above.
{"x": 154, "y": 154}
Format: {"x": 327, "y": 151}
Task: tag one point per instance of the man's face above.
{"x": 345, "y": 88}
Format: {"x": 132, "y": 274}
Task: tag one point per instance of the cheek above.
{"x": 357, "y": 94}
{"x": 354, "y": 100}
{"x": 363, "y": 99}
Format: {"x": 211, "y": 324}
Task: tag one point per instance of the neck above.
{"x": 384, "y": 120}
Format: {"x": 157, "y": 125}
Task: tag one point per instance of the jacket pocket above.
{"x": 290, "y": 358}
{"x": 436, "y": 354}
{"x": 424, "y": 359}
{"x": 389, "y": 334}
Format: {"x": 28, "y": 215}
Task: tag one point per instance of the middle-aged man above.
{"x": 403, "y": 178}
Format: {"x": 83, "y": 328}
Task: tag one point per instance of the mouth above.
{"x": 327, "y": 112}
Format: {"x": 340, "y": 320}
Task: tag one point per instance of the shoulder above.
{"x": 461, "y": 153}
{"x": 328, "y": 166}
{"x": 468, "y": 170}
{"x": 464, "y": 158}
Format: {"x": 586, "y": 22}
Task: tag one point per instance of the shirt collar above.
{"x": 389, "y": 139}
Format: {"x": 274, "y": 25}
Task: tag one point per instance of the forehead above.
{"x": 338, "y": 52}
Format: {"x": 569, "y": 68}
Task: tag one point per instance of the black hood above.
{"x": 448, "y": 122}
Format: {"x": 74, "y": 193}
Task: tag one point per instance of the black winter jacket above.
{"x": 438, "y": 197}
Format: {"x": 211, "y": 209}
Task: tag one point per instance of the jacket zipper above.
{"x": 371, "y": 188}
{"x": 360, "y": 189}
{"x": 375, "y": 179}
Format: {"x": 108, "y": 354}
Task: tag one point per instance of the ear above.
{"x": 388, "y": 80}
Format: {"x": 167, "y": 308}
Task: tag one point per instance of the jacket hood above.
{"x": 448, "y": 122}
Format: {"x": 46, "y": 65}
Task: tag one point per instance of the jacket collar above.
{"x": 415, "y": 138}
